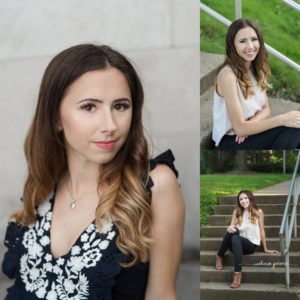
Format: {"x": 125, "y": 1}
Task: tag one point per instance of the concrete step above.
{"x": 223, "y": 220}
{"x": 267, "y": 209}
{"x": 209, "y": 65}
{"x": 213, "y": 243}
{"x": 259, "y": 199}
{"x": 206, "y": 121}
{"x": 247, "y": 291}
{"x": 257, "y": 259}
{"x": 250, "y": 275}
{"x": 219, "y": 231}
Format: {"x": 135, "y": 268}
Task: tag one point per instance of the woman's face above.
{"x": 95, "y": 115}
{"x": 246, "y": 44}
{"x": 244, "y": 200}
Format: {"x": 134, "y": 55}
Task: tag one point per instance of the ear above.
{"x": 58, "y": 126}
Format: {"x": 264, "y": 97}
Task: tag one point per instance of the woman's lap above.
{"x": 279, "y": 138}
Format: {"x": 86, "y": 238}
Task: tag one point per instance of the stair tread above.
{"x": 249, "y": 286}
{"x": 254, "y": 254}
{"x": 269, "y": 239}
{"x": 204, "y": 268}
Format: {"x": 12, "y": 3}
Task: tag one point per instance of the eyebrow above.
{"x": 101, "y": 101}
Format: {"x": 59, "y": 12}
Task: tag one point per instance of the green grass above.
{"x": 281, "y": 27}
{"x": 214, "y": 186}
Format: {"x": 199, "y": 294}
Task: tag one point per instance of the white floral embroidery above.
{"x": 70, "y": 283}
{"x": 75, "y": 250}
{"x": 45, "y": 240}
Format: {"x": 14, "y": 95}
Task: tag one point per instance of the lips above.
{"x": 107, "y": 145}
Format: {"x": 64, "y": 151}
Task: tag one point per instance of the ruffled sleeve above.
{"x": 166, "y": 158}
{"x": 13, "y": 239}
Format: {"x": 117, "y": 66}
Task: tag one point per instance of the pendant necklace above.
{"x": 72, "y": 204}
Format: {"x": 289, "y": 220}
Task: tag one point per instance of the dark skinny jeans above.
{"x": 279, "y": 138}
{"x": 238, "y": 245}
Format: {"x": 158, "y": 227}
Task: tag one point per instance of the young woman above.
{"x": 241, "y": 109}
{"x": 99, "y": 218}
{"x": 245, "y": 232}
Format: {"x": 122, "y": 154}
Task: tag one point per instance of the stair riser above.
{"x": 249, "y": 277}
{"x": 251, "y": 260}
{"x": 269, "y": 209}
{"x": 220, "y": 231}
{"x": 258, "y": 199}
{"x": 226, "y": 219}
{"x": 214, "y": 245}
{"x": 238, "y": 294}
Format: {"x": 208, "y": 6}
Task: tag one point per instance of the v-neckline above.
{"x": 52, "y": 200}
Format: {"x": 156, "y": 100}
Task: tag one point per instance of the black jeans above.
{"x": 238, "y": 245}
{"x": 279, "y": 138}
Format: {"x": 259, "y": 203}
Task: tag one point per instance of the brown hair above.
{"x": 260, "y": 65}
{"x": 253, "y": 210}
{"x": 123, "y": 180}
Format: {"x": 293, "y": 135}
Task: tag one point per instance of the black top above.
{"x": 90, "y": 270}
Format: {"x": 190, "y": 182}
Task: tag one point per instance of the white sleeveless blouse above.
{"x": 249, "y": 230}
{"x": 221, "y": 121}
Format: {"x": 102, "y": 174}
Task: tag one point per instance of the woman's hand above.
{"x": 292, "y": 119}
{"x": 231, "y": 229}
{"x": 270, "y": 251}
{"x": 240, "y": 139}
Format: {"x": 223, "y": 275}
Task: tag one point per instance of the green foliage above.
{"x": 281, "y": 27}
{"x": 214, "y": 186}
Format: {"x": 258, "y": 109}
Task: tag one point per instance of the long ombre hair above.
{"x": 124, "y": 197}
{"x": 253, "y": 210}
{"x": 260, "y": 65}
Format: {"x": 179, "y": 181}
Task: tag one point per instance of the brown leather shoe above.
{"x": 219, "y": 263}
{"x": 236, "y": 282}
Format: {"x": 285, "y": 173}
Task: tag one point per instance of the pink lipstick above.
{"x": 107, "y": 145}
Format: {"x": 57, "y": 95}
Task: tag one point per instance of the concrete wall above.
{"x": 161, "y": 37}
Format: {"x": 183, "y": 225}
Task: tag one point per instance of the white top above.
{"x": 221, "y": 121}
{"x": 249, "y": 230}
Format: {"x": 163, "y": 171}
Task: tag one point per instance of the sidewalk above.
{"x": 281, "y": 188}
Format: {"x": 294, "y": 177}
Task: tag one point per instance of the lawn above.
{"x": 281, "y": 27}
{"x": 214, "y": 186}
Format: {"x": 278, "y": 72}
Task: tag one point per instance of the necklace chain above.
{"x": 72, "y": 204}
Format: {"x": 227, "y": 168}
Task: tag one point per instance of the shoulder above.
{"x": 166, "y": 193}
{"x": 260, "y": 213}
{"x": 226, "y": 75}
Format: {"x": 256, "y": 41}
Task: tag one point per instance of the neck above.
{"x": 82, "y": 176}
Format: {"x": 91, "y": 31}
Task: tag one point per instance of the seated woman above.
{"x": 245, "y": 232}
{"x": 241, "y": 109}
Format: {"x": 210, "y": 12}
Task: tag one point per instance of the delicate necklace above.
{"x": 72, "y": 204}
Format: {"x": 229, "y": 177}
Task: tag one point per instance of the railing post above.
{"x": 238, "y": 9}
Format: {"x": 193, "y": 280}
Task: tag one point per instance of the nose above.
{"x": 250, "y": 44}
{"x": 107, "y": 121}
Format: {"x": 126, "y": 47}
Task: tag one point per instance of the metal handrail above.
{"x": 286, "y": 227}
{"x": 292, "y": 4}
{"x": 271, "y": 50}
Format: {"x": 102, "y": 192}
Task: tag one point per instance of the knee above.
{"x": 235, "y": 239}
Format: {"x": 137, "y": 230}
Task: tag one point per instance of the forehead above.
{"x": 109, "y": 82}
{"x": 245, "y": 33}
{"x": 242, "y": 195}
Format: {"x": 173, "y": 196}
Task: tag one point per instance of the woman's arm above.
{"x": 228, "y": 88}
{"x": 262, "y": 232}
{"x": 231, "y": 228}
{"x": 167, "y": 232}
{"x": 264, "y": 113}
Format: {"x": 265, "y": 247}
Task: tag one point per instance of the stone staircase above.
{"x": 263, "y": 274}
{"x": 209, "y": 64}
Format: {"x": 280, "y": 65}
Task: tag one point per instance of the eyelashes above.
{"x": 91, "y": 107}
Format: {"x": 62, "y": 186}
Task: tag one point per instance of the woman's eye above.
{"x": 88, "y": 107}
{"x": 121, "y": 106}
